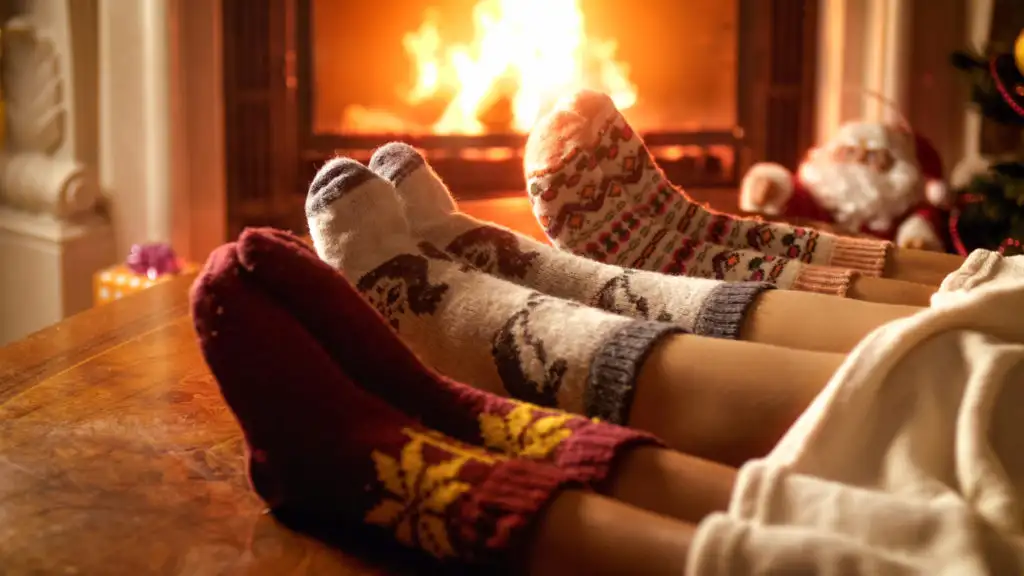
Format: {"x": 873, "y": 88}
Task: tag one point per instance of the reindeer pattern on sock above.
{"x": 522, "y": 358}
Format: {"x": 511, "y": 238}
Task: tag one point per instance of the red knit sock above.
{"x": 366, "y": 348}
{"x": 323, "y": 448}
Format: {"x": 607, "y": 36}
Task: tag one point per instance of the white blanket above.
{"x": 911, "y": 461}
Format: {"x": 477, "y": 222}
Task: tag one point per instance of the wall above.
{"x": 898, "y": 50}
{"x": 161, "y": 120}
{"x": 134, "y": 146}
{"x": 52, "y": 237}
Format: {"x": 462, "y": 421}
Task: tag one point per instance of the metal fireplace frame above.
{"x": 273, "y": 151}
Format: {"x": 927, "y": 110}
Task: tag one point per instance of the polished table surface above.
{"x": 118, "y": 456}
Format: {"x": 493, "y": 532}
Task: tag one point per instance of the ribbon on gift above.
{"x": 153, "y": 260}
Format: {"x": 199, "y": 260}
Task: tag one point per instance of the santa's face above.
{"x": 862, "y": 184}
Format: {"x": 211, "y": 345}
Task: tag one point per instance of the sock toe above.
{"x": 221, "y": 263}
{"x": 575, "y": 122}
{"x": 426, "y": 199}
{"x": 396, "y": 160}
{"x": 335, "y": 179}
{"x": 589, "y": 104}
{"x": 281, "y": 236}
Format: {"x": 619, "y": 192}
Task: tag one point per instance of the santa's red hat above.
{"x": 930, "y": 163}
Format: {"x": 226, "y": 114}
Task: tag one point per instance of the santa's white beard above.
{"x": 858, "y": 195}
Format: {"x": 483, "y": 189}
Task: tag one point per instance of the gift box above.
{"x": 147, "y": 265}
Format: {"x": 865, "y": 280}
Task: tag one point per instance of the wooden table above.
{"x": 118, "y": 456}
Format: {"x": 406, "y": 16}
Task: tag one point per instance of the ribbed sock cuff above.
{"x": 593, "y": 450}
{"x": 723, "y": 311}
{"x": 498, "y": 516}
{"x": 860, "y": 254}
{"x": 616, "y": 366}
{"x": 824, "y": 280}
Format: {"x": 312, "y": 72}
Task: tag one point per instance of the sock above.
{"x": 604, "y": 134}
{"x": 468, "y": 325}
{"x": 700, "y": 306}
{"x": 361, "y": 343}
{"x": 325, "y": 452}
{"x": 592, "y": 181}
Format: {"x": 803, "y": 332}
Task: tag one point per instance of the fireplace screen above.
{"x": 465, "y": 80}
{"x": 486, "y": 66}
{"x": 711, "y": 85}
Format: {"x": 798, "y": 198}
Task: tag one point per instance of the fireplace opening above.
{"x": 465, "y": 80}
{"x": 711, "y": 86}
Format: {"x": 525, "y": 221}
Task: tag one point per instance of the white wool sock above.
{"x": 701, "y": 306}
{"x": 469, "y": 325}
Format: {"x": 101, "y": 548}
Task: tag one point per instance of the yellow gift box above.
{"x": 116, "y": 282}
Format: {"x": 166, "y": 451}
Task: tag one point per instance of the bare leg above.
{"x": 584, "y": 533}
{"x": 644, "y": 525}
{"x": 816, "y": 322}
{"x": 921, "y": 266}
{"x": 725, "y": 400}
{"x": 672, "y": 483}
{"x": 889, "y": 291}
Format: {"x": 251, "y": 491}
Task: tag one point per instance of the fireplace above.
{"x": 712, "y": 86}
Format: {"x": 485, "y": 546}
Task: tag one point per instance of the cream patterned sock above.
{"x": 471, "y": 326}
{"x": 703, "y": 307}
{"x": 597, "y": 192}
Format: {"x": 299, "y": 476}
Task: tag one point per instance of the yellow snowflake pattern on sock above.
{"x": 521, "y": 433}
{"x": 420, "y": 493}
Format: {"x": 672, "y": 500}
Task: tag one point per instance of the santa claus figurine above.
{"x": 874, "y": 179}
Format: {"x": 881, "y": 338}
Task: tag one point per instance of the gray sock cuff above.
{"x": 395, "y": 161}
{"x": 616, "y": 366}
{"x": 722, "y": 313}
{"x": 334, "y": 180}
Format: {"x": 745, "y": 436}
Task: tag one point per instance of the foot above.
{"x": 327, "y": 453}
{"x": 701, "y": 306}
{"x": 589, "y": 128}
{"x": 471, "y": 326}
{"x": 632, "y": 222}
{"x": 365, "y": 348}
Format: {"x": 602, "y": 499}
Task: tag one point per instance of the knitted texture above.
{"x": 701, "y": 306}
{"x": 359, "y": 341}
{"x": 467, "y": 324}
{"x": 596, "y": 191}
{"x": 325, "y": 451}
{"x": 982, "y": 267}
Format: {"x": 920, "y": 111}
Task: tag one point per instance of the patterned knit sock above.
{"x": 361, "y": 343}
{"x": 701, "y": 306}
{"x": 469, "y": 325}
{"x": 325, "y": 452}
{"x": 590, "y": 122}
{"x": 609, "y": 227}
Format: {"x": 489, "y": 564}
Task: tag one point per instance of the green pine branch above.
{"x": 985, "y": 96}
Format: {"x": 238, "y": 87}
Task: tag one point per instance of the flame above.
{"x": 527, "y": 53}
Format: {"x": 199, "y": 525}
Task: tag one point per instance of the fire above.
{"x": 523, "y": 56}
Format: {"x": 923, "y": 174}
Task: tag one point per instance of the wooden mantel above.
{"x": 118, "y": 456}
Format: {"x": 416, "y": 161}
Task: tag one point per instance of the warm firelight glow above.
{"x": 524, "y": 55}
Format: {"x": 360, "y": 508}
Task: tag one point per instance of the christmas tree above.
{"x": 989, "y": 212}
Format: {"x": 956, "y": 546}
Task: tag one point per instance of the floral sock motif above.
{"x": 325, "y": 452}
{"x": 589, "y": 124}
{"x": 701, "y": 306}
{"x": 469, "y": 325}
{"x": 361, "y": 343}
